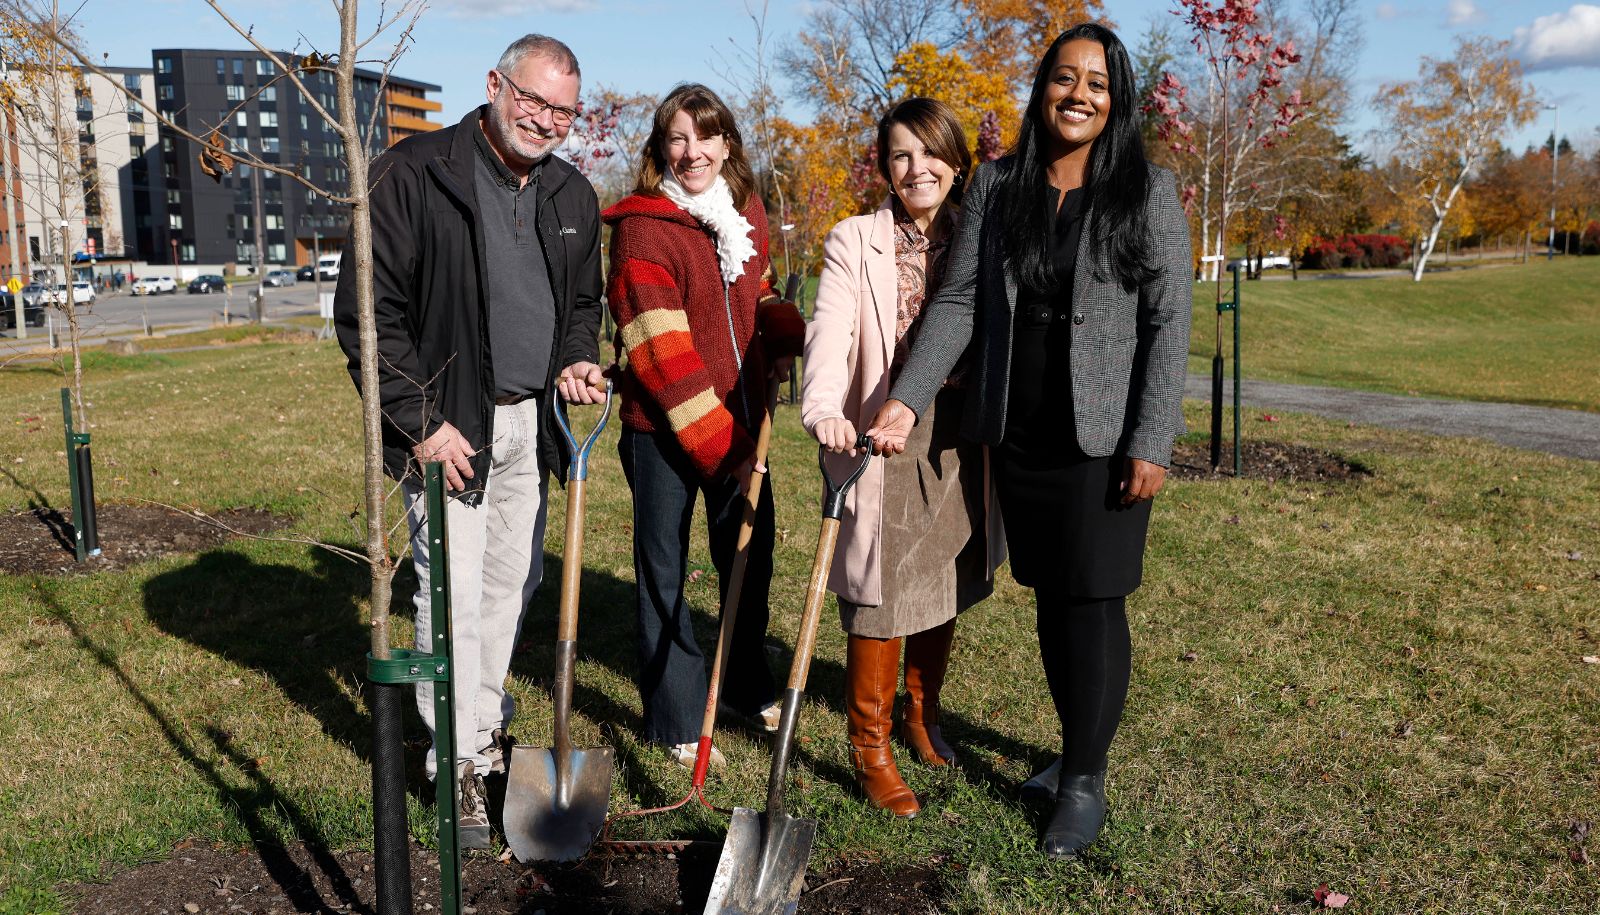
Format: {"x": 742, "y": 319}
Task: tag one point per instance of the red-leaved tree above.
{"x": 1219, "y": 127}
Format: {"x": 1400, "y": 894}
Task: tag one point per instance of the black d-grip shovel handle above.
{"x": 833, "y": 501}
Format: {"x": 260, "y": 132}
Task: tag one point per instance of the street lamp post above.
{"x": 1555, "y": 156}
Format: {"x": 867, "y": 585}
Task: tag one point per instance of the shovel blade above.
{"x": 762, "y": 870}
{"x": 545, "y": 820}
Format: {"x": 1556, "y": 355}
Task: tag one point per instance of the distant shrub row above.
{"x": 1355, "y": 251}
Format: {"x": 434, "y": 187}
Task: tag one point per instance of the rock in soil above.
{"x": 258, "y": 881}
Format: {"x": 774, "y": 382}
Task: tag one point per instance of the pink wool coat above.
{"x": 849, "y": 345}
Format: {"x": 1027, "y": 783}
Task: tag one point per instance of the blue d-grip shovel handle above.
{"x": 833, "y": 502}
{"x": 579, "y": 470}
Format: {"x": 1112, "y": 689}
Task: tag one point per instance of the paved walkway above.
{"x": 1569, "y": 433}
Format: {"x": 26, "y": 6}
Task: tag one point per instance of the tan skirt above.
{"x": 934, "y": 552}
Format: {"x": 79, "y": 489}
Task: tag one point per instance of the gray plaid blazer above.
{"x": 1130, "y": 350}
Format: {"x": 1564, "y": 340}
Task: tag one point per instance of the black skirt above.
{"x": 1066, "y": 528}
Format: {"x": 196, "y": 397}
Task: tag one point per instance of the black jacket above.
{"x": 431, "y": 294}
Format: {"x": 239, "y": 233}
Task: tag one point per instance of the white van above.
{"x": 328, "y": 266}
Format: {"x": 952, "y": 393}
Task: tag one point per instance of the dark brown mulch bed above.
{"x": 41, "y": 540}
{"x": 1268, "y": 461}
{"x": 301, "y": 879}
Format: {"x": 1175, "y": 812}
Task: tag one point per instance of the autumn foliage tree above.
{"x": 1219, "y": 123}
{"x": 1444, "y": 124}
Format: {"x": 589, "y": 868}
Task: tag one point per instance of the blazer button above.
{"x": 1077, "y": 318}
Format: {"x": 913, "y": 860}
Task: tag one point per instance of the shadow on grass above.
{"x": 39, "y": 505}
{"x": 606, "y": 634}
{"x": 253, "y": 804}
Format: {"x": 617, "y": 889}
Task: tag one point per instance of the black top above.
{"x": 522, "y": 306}
{"x": 1039, "y": 411}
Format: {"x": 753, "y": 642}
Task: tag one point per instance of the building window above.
{"x": 277, "y": 253}
{"x": 186, "y": 253}
{"x": 244, "y": 221}
{"x": 235, "y": 93}
{"x": 175, "y": 221}
{"x": 242, "y": 118}
{"x": 269, "y": 144}
{"x": 265, "y": 67}
{"x": 222, "y": 67}
{"x": 163, "y": 65}
{"x": 172, "y": 197}
{"x": 274, "y": 220}
{"x": 269, "y": 119}
{"x": 135, "y": 112}
{"x": 164, "y": 93}
{"x": 268, "y": 94}
{"x": 238, "y": 66}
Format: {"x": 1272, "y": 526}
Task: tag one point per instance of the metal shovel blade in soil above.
{"x": 551, "y": 815}
{"x": 756, "y": 875}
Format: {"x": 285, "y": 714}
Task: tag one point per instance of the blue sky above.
{"x": 647, "y": 47}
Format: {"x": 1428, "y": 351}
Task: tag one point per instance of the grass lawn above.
{"x": 1502, "y": 332}
{"x": 1376, "y": 685}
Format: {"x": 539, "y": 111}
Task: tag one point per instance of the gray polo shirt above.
{"x": 522, "y": 307}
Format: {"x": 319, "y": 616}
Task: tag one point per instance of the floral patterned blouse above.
{"x": 919, "y": 269}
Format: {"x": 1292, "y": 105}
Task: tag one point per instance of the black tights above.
{"x": 1087, "y": 656}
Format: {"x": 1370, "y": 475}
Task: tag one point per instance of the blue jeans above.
{"x": 672, "y": 669}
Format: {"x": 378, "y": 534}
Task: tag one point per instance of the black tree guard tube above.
{"x": 391, "y": 830}
{"x": 91, "y": 528}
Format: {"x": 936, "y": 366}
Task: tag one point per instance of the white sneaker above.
{"x": 684, "y": 754}
{"x": 766, "y": 720}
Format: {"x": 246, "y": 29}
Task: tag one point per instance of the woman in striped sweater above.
{"x": 702, "y": 331}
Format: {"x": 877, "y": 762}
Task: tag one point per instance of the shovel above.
{"x": 763, "y": 863}
{"x": 556, "y": 798}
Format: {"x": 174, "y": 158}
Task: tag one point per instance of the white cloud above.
{"x": 1569, "y": 39}
{"x": 1462, "y": 12}
{"x": 487, "y": 9}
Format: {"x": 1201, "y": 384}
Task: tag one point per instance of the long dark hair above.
{"x": 1116, "y": 185}
{"x": 711, "y": 118}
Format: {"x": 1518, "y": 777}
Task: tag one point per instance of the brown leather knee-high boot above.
{"x": 872, "y": 668}
{"x": 927, "y": 659}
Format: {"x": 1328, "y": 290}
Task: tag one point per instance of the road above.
{"x": 1571, "y": 433}
{"x": 123, "y": 314}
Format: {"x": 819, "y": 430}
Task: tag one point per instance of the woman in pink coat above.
{"x": 913, "y": 550}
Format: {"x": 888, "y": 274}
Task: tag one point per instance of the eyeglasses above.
{"x": 532, "y": 103}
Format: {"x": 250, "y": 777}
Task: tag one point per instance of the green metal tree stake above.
{"x": 406, "y": 666}
{"x": 85, "y": 539}
{"x": 1226, "y": 305}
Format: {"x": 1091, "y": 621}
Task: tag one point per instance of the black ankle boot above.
{"x": 1079, "y": 814}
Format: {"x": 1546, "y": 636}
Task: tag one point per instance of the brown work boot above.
{"x": 872, "y": 668}
{"x": 927, "y": 659}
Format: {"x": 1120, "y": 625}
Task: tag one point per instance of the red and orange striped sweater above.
{"x": 666, "y": 293}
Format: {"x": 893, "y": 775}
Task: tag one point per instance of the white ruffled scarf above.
{"x": 715, "y": 210}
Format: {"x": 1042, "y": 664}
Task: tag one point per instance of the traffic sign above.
{"x": 15, "y": 285}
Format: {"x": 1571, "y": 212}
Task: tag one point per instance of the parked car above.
{"x": 306, "y": 273}
{"x": 82, "y": 293}
{"x": 328, "y": 266}
{"x": 279, "y": 278}
{"x": 154, "y": 285}
{"x": 32, "y": 312}
{"x": 207, "y": 283}
{"x": 35, "y": 294}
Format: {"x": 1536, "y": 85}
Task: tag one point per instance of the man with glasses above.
{"x": 486, "y": 279}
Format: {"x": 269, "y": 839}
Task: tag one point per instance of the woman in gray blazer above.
{"x": 1070, "y": 278}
